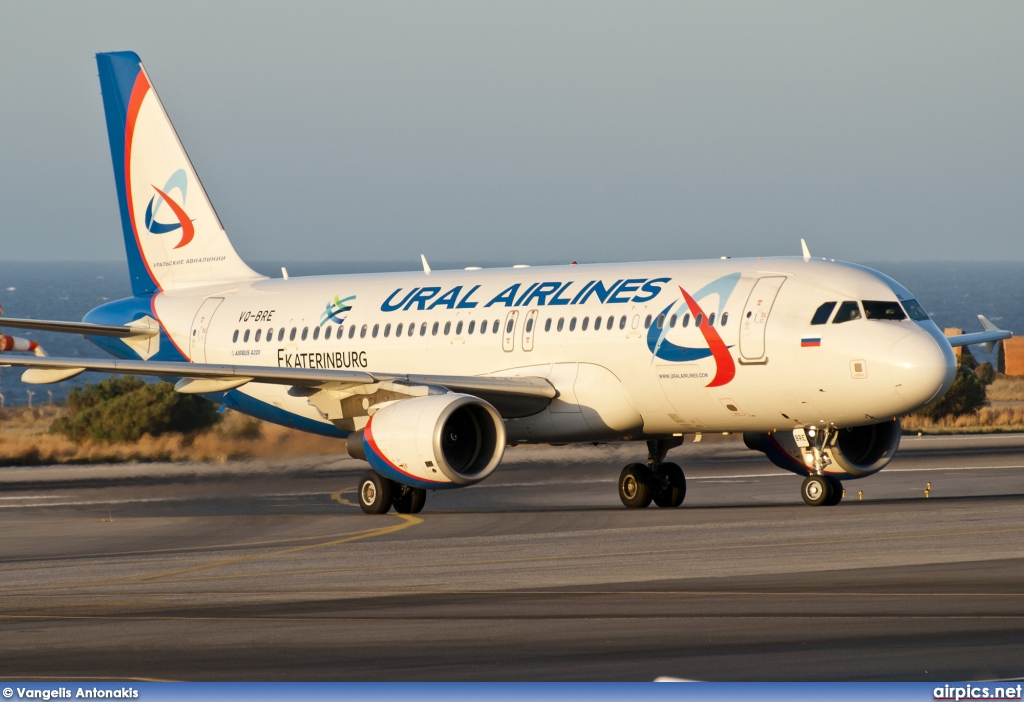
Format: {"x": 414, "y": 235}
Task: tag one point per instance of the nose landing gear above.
{"x": 659, "y": 482}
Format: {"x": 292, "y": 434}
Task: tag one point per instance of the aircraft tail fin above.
{"x": 172, "y": 234}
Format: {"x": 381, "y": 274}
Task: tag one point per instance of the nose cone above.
{"x": 922, "y": 368}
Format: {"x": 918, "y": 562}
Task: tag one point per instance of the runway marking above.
{"x": 614, "y": 554}
{"x": 407, "y": 520}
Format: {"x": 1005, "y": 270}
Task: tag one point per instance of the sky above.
{"x": 535, "y": 132}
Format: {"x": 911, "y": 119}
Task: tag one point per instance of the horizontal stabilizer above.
{"x": 78, "y": 328}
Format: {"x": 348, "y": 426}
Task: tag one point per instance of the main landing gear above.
{"x": 377, "y": 495}
{"x": 659, "y": 482}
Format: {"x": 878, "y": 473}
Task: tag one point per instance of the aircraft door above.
{"x": 200, "y": 328}
{"x": 508, "y": 332}
{"x": 755, "y": 317}
{"x": 529, "y": 330}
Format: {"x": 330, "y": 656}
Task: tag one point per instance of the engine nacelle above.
{"x": 854, "y": 452}
{"x": 436, "y": 441}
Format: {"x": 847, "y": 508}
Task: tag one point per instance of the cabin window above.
{"x": 259, "y": 333}
{"x": 725, "y": 318}
{"x": 823, "y": 312}
{"x": 529, "y": 325}
{"x": 686, "y": 319}
{"x": 915, "y": 310}
{"x": 412, "y": 328}
{"x": 234, "y": 337}
{"x": 280, "y": 334}
{"x": 433, "y": 330}
{"x": 878, "y": 309}
{"x": 398, "y": 329}
{"x": 622, "y": 322}
{"x": 292, "y": 333}
{"x": 508, "y": 327}
{"x": 270, "y": 334}
{"x": 483, "y": 327}
{"x": 423, "y": 329}
{"x": 472, "y": 327}
{"x": 586, "y": 323}
{"x": 245, "y": 337}
{"x": 661, "y": 321}
{"x": 647, "y": 322}
{"x": 697, "y": 320}
{"x": 387, "y": 330}
{"x": 611, "y": 323}
{"x": 316, "y": 333}
{"x": 376, "y": 328}
{"x": 597, "y": 323}
{"x": 848, "y": 311}
{"x": 495, "y": 326}
{"x": 362, "y": 331}
{"x": 458, "y": 329}
{"x": 561, "y": 323}
{"x": 711, "y": 319}
{"x": 305, "y": 333}
{"x": 447, "y": 328}
{"x": 572, "y": 324}
{"x": 327, "y": 332}
{"x": 352, "y": 332}
{"x": 672, "y": 322}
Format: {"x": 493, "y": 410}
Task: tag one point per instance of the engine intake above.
{"x": 855, "y": 451}
{"x": 437, "y": 441}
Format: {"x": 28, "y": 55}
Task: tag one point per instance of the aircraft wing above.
{"x": 513, "y": 393}
{"x": 988, "y": 337}
{"x": 78, "y": 327}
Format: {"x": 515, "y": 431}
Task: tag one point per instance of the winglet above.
{"x": 807, "y": 252}
{"x": 426, "y": 266}
{"x": 986, "y": 324}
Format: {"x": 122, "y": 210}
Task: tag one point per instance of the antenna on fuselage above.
{"x": 807, "y": 252}
{"x": 426, "y": 266}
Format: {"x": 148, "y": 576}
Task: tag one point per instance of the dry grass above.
{"x": 25, "y": 440}
{"x": 987, "y": 420}
{"x": 1006, "y": 388}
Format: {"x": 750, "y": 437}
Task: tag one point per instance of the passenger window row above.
{"x": 403, "y": 330}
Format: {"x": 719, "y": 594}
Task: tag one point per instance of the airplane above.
{"x": 430, "y": 376}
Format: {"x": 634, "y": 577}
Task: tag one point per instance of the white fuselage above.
{"x": 617, "y": 372}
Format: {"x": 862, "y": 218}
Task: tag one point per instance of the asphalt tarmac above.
{"x": 261, "y": 571}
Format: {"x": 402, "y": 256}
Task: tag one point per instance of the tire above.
{"x": 836, "y": 486}
{"x": 636, "y": 486}
{"x": 816, "y": 490}
{"x": 374, "y": 493}
{"x": 672, "y": 494}
{"x": 409, "y": 500}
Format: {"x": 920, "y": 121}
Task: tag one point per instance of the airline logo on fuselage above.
{"x": 335, "y": 308}
{"x": 546, "y": 294}
{"x": 663, "y": 348}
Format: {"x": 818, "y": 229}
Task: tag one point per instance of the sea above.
{"x": 952, "y": 292}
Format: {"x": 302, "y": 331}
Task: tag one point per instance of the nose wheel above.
{"x": 820, "y": 490}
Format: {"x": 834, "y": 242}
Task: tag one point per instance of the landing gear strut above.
{"x": 378, "y": 494}
{"x": 659, "y": 482}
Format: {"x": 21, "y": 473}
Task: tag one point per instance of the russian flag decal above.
{"x": 810, "y": 341}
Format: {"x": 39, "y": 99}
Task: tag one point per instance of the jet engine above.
{"x": 855, "y": 451}
{"x": 436, "y": 441}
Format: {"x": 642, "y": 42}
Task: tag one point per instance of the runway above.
{"x": 260, "y": 571}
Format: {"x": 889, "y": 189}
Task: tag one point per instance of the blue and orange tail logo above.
{"x": 664, "y": 349}
{"x": 178, "y": 181}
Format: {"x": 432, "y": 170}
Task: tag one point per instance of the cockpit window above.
{"x": 848, "y": 311}
{"x": 914, "y": 309}
{"x": 875, "y": 309}
{"x": 823, "y": 313}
